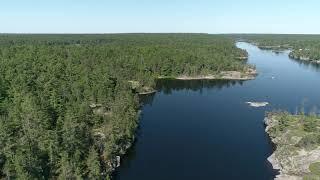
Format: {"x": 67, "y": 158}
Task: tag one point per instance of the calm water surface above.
{"x": 204, "y": 129}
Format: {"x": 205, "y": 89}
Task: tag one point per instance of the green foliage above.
{"x": 310, "y": 123}
{"x": 311, "y": 177}
{"x": 67, "y": 107}
{"x": 3, "y": 96}
{"x": 304, "y": 47}
{"x": 304, "y": 127}
{"x": 93, "y": 164}
{"x": 315, "y": 168}
{"x": 283, "y": 123}
{"x": 315, "y": 172}
{"x": 309, "y": 141}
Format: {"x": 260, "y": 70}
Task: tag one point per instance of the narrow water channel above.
{"x": 204, "y": 129}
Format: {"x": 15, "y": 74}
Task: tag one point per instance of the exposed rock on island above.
{"x": 249, "y": 74}
{"x": 141, "y": 89}
{"x": 296, "y": 54}
{"x": 297, "y": 141}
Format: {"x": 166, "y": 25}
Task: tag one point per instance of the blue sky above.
{"x": 121, "y": 16}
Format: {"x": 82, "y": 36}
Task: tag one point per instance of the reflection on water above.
{"x": 167, "y": 86}
{"x": 307, "y": 64}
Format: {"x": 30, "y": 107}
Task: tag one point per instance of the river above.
{"x": 205, "y": 130}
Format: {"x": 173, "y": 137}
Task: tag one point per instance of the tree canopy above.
{"x": 67, "y": 108}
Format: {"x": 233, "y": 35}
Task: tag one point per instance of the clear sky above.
{"x": 121, "y": 16}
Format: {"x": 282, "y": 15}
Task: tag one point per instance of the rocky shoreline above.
{"x": 242, "y": 58}
{"x": 294, "y": 54}
{"x": 304, "y": 58}
{"x": 141, "y": 89}
{"x": 225, "y": 75}
{"x": 274, "y": 48}
{"x": 292, "y": 157}
{"x": 249, "y": 74}
{"x": 113, "y": 161}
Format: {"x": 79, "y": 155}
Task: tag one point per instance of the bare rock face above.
{"x": 270, "y": 123}
{"x": 304, "y": 58}
{"x": 249, "y": 74}
{"x": 294, "y": 164}
{"x": 118, "y": 161}
{"x": 274, "y": 161}
{"x": 141, "y": 89}
{"x": 287, "y": 177}
{"x": 242, "y": 57}
{"x": 99, "y": 109}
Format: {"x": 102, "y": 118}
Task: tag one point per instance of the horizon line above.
{"x": 112, "y": 33}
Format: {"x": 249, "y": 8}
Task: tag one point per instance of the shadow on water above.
{"x": 307, "y": 64}
{"x": 146, "y": 99}
{"x": 167, "y": 86}
{"x": 196, "y": 129}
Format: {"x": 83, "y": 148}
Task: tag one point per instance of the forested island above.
{"x": 297, "y": 141}
{"x": 69, "y": 104}
{"x": 303, "y": 47}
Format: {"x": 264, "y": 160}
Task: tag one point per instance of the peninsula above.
{"x": 297, "y": 142}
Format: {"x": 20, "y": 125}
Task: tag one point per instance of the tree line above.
{"x": 304, "y": 47}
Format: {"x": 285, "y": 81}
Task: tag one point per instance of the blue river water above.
{"x": 205, "y": 130}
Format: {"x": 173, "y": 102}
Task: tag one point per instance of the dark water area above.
{"x": 205, "y": 130}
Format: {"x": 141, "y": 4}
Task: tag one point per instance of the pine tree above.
{"x": 93, "y": 164}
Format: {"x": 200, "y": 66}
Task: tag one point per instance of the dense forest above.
{"x": 304, "y": 47}
{"x": 68, "y": 104}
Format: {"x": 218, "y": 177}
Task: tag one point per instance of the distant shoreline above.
{"x": 224, "y": 75}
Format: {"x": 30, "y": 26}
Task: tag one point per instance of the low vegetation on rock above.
{"x": 297, "y": 141}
